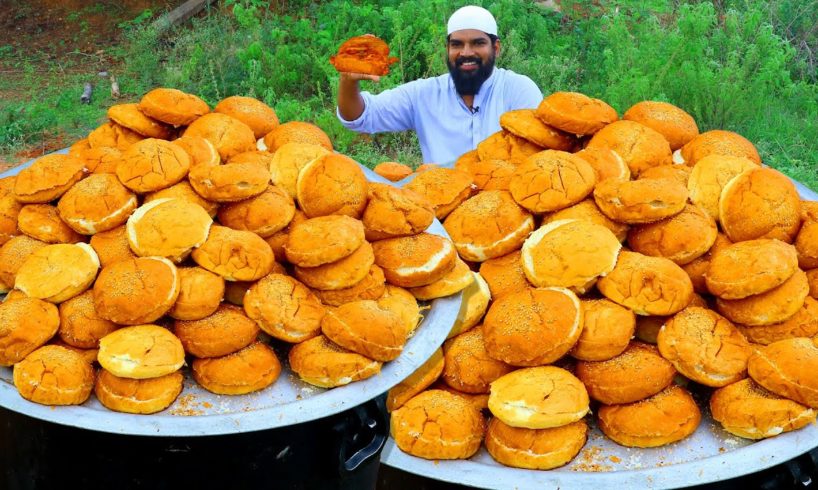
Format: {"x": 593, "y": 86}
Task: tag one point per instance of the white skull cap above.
{"x": 472, "y": 17}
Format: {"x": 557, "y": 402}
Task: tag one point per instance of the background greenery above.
{"x": 745, "y": 66}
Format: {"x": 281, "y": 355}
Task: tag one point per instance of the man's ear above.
{"x": 497, "y": 48}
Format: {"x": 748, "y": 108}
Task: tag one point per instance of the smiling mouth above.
{"x": 468, "y": 65}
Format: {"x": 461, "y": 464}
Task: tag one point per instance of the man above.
{"x": 451, "y": 113}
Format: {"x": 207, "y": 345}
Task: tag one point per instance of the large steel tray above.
{"x": 709, "y": 455}
{"x": 288, "y": 401}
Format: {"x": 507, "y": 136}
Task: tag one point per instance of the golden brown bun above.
{"x": 100, "y": 160}
{"x": 235, "y": 255}
{"x": 227, "y": 134}
{"x": 476, "y": 299}
{"x": 393, "y": 171}
{"x": 288, "y": 161}
{"x": 78, "y": 147}
{"x": 226, "y": 331}
{"x": 487, "y": 175}
{"x": 113, "y": 135}
{"x": 58, "y": 272}
{"x": 438, "y": 425}
{"x": 803, "y": 324}
{"x": 200, "y": 293}
{"x": 12, "y": 255}
{"x": 309, "y": 243}
{"x": 14, "y": 294}
{"x": 89, "y": 355}
{"x": 606, "y": 332}
{"x": 229, "y": 182}
{"x": 773, "y": 306}
{"x": 256, "y": 157}
{"x": 183, "y": 190}
{"x": 717, "y": 142}
{"x": 25, "y": 325}
{"x": 393, "y": 212}
{"x": 536, "y": 449}
{"x": 812, "y": 277}
{"x": 47, "y": 178}
{"x": 678, "y": 173}
{"x": 257, "y": 115}
{"x": 710, "y": 175}
{"x": 552, "y": 315}
{"x": 697, "y": 268}
{"x": 135, "y": 291}
{"x": 234, "y": 291}
{"x": 322, "y": 363}
{"x": 787, "y": 368}
{"x": 525, "y": 124}
{"x": 570, "y": 254}
{"x": 296, "y": 132}
{"x": 332, "y": 184}
{"x": 173, "y": 106}
{"x": 458, "y": 279}
{"x": 129, "y": 116}
{"x": 505, "y": 274}
{"x": 637, "y": 373}
{"x": 200, "y": 150}
{"x": 443, "y": 188}
{"x": 418, "y": 381}
{"x": 468, "y": 367}
{"x": 639, "y": 146}
{"x": 142, "y": 396}
{"x": 9, "y": 213}
{"x": 284, "y": 308}
{"x": 112, "y": 246}
{"x": 477, "y": 241}
{"x": 705, "y": 347}
{"x": 640, "y": 201}
{"x": 370, "y": 287}
{"x": 647, "y": 285}
{"x": 479, "y": 401}
{"x": 169, "y": 228}
{"x": 80, "y": 325}
{"x": 589, "y": 211}
{"x": 402, "y": 303}
{"x": 367, "y": 328}
{"x": 54, "y": 375}
{"x": 140, "y": 352}
{"x": 607, "y": 164}
{"x": 551, "y": 180}
{"x": 681, "y": 238}
{"x": 503, "y": 145}
{"x": 341, "y": 274}
{"x": 96, "y": 204}
{"x": 278, "y": 240}
{"x": 760, "y": 203}
{"x": 253, "y": 368}
{"x": 809, "y": 210}
{"x": 752, "y": 267}
{"x": 363, "y": 54}
{"x": 538, "y": 398}
{"x": 662, "y": 419}
{"x": 152, "y": 164}
{"x": 415, "y": 260}
{"x": 677, "y": 126}
{"x": 806, "y": 243}
{"x": 575, "y": 113}
{"x": 747, "y": 410}
{"x": 647, "y": 327}
{"x": 42, "y": 222}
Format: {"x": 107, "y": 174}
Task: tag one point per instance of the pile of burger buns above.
{"x": 621, "y": 266}
{"x": 175, "y": 235}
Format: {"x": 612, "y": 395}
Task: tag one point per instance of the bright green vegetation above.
{"x": 748, "y": 67}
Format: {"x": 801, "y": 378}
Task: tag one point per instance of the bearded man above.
{"x": 451, "y": 113}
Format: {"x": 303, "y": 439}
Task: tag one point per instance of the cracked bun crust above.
{"x": 58, "y": 272}
{"x": 332, "y": 184}
{"x": 250, "y": 369}
{"x": 525, "y": 124}
{"x": 296, "y": 132}
{"x": 96, "y": 204}
{"x": 487, "y": 175}
{"x": 418, "y": 381}
{"x": 341, "y": 274}
{"x": 54, "y": 375}
{"x": 640, "y": 201}
{"x": 183, "y": 190}
{"x": 677, "y": 126}
{"x": 551, "y": 180}
{"x": 647, "y": 285}
{"x": 152, "y": 164}
{"x": 257, "y": 115}
{"x": 705, "y": 347}
{"x": 140, "y": 352}
{"x": 173, "y": 106}
{"x": 752, "y": 267}
{"x": 394, "y": 212}
{"x": 284, "y": 308}
{"x": 607, "y": 164}
{"x": 639, "y": 372}
{"x": 200, "y": 293}
{"x": 787, "y": 368}
{"x": 129, "y": 116}
{"x": 505, "y": 274}
{"x": 438, "y": 425}
{"x": 770, "y": 307}
{"x": 227, "y": 134}
{"x": 136, "y": 291}
{"x": 12, "y": 255}
{"x": 639, "y": 146}
{"x": 575, "y": 113}
{"x": 141, "y": 396}
{"x": 234, "y": 254}
{"x": 717, "y": 142}
{"x": 468, "y": 367}
{"x": 393, "y": 171}
{"x": 443, "y": 188}
{"x": 229, "y": 182}
{"x": 323, "y": 240}
{"x": 322, "y": 363}
{"x": 80, "y": 325}
{"x": 532, "y": 327}
{"x": 47, "y": 178}
{"x": 507, "y": 146}
{"x": 606, "y": 332}
{"x": 760, "y": 203}
{"x": 25, "y": 325}
{"x": 169, "y": 228}
{"x": 710, "y": 175}
{"x": 367, "y": 328}
{"x": 803, "y": 324}
{"x": 535, "y": 449}
{"x": 402, "y": 303}
{"x": 113, "y": 135}
{"x": 588, "y": 210}
{"x": 681, "y": 238}
{"x": 200, "y": 151}
{"x": 42, "y": 222}
{"x": 363, "y": 54}
{"x": 679, "y": 173}
{"x": 665, "y": 418}
{"x": 415, "y": 260}
{"x": 748, "y": 410}
{"x": 112, "y": 246}
{"x": 538, "y": 398}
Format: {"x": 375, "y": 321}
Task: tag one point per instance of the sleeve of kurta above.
{"x": 525, "y": 94}
{"x": 390, "y": 110}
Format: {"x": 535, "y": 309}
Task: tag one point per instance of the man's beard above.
{"x": 469, "y": 83}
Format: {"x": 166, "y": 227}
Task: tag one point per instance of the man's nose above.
{"x": 467, "y": 50}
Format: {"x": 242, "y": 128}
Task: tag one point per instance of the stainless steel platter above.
{"x": 709, "y": 455}
{"x": 288, "y": 401}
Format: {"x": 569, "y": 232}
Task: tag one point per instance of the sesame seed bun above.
{"x": 173, "y": 106}
{"x": 402, "y": 303}
{"x": 370, "y": 287}
{"x": 677, "y": 126}
{"x": 264, "y": 214}
{"x": 140, "y": 352}
{"x": 169, "y": 228}
{"x": 284, "y": 308}
{"x": 787, "y": 368}
{"x": 12, "y": 255}
{"x": 393, "y": 212}
{"x": 536, "y": 449}
{"x": 589, "y": 211}
{"x": 488, "y": 175}
{"x": 773, "y": 306}
{"x": 507, "y": 146}
{"x": 136, "y": 291}
{"x": 113, "y": 135}
{"x": 752, "y": 267}
{"x": 639, "y": 146}
{"x": 47, "y": 178}
{"x": 640, "y": 201}
{"x": 112, "y": 246}
{"x": 393, "y": 171}
{"x": 250, "y": 369}
{"x": 575, "y": 113}
{"x": 607, "y": 164}
{"x": 806, "y": 243}
{"x": 341, "y": 274}
{"x": 183, "y": 190}
{"x": 697, "y": 268}
{"x": 42, "y": 222}
{"x": 25, "y": 325}
{"x": 308, "y": 244}
{"x": 717, "y": 142}
{"x": 249, "y": 257}
{"x": 129, "y": 116}
{"x": 9, "y": 213}
{"x": 278, "y": 240}
{"x": 607, "y": 329}
{"x": 200, "y": 150}
{"x": 152, "y": 164}
{"x": 141, "y": 396}
{"x": 443, "y": 188}
{"x": 812, "y": 278}
{"x": 803, "y": 324}
{"x": 468, "y": 367}
{"x": 332, "y": 184}
{"x": 647, "y": 327}
{"x": 54, "y": 375}
{"x": 200, "y": 293}
{"x": 100, "y": 160}
{"x": 227, "y": 134}
{"x": 80, "y": 325}
{"x": 479, "y": 401}
{"x": 58, "y": 272}
{"x": 257, "y": 115}
{"x": 710, "y": 175}
{"x": 418, "y": 381}
{"x": 505, "y": 274}
{"x": 229, "y": 182}
{"x": 366, "y": 328}
{"x": 525, "y": 124}
{"x": 322, "y": 363}
{"x": 415, "y": 260}
{"x": 459, "y": 278}
{"x": 225, "y": 331}
{"x": 296, "y": 132}
{"x": 681, "y": 238}
{"x": 551, "y": 180}
{"x": 289, "y": 160}
{"x": 679, "y": 173}
{"x": 96, "y": 204}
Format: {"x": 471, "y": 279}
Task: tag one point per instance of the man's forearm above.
{"x": 350, "y": 102}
